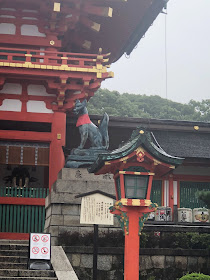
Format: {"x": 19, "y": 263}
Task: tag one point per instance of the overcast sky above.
{"x": 188, "y": 56}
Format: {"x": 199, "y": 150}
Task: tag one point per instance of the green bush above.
{"x": 195, "y": 276}
{"x": 190, "y": 240}
{"x": 181, "y": 240}
{"x": 200, "y": 241}
{"x": 111, "y": 239}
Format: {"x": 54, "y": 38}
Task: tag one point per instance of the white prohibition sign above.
{"x": 35, "y": 238}
{"x": 35, "y": 250}
{"x": 44, "y": 238}
{"x": 44, "y": 250}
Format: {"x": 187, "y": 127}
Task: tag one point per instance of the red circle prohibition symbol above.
{"x": 35, "y": 250}
{"x": 35, "y": 238}
{"x": 44, "y": 238}
{"x": 44, "y": 250}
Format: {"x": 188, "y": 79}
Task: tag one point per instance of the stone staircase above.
{"x": 13, "y": 263}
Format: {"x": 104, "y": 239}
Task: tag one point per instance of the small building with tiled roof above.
{"x": 185, "y": 139}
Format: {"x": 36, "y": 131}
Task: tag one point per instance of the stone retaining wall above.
{"x": 63, "y": 209}
{"x": 63, "y": 215}
{"x": 159, "y": 264}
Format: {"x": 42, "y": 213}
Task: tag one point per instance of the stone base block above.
{"x": 63, "y": 209}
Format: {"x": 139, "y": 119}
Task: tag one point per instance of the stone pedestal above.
{"x": 63, "y": 209}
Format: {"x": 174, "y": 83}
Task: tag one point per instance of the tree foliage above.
{"x": 205, "y": 197}
{"x": 143, "y": 106}
{"x": 195, "y": 276}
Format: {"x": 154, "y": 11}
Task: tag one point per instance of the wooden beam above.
{"x": 14, "y": 236}
{"x": 26, "y": 117}
{"x": 81, "y": 42}
{"x": 99, "y": 11}
{"x": 22, "y": 201}
{"x": 90, "y": 24}
{"x": 26, "y": 135}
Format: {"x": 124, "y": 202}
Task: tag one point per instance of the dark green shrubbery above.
{"x": 195, "y": 276}
{"x": 190, "y": 240}
{"x": 111, "y": 239}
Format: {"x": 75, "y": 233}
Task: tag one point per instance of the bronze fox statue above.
{"x": 98, "y": 136}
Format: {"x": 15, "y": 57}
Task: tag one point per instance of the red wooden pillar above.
{"x": 149, "y": 186}
{"x": 171, "y": 193}
{"x": 57, "y": 159}
{"x": 131, "y": 266}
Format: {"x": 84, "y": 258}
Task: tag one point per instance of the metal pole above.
{"x": 95, "y": 251}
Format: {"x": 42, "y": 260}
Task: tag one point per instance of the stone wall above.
{"x": 63, "y": 209}
{"x": 155, "y": 264}
{"x": 63, "y": 215}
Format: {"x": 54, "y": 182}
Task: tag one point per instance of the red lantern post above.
{"x": 134, "y": 165}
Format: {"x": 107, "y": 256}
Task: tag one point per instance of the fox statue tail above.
{"x": 103, "y": 128}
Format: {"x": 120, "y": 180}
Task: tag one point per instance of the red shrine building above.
{"x": 52, "y": 53}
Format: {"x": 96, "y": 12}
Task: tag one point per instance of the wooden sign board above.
{"x": 40, "y": 246}
{"x": 95, "y": 210}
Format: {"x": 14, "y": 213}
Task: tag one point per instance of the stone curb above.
{"x": 61, "y": 264}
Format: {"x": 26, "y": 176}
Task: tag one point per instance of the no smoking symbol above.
{"x": 35, "y": 238}
{"x": 44, "y": 250}
{"x": 35, "y": 250}
{"x": 45, "y": 238}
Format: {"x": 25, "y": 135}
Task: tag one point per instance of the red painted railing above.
{"x": 40, "y": 57}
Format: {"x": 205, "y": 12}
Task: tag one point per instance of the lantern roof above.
{"x": 96, "y": 192}
{"x": 141, "y": 150}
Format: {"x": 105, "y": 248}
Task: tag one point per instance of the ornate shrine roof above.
{"x": 84, "y": 26}
{"x": 139, "y": 139}
{"x": 177, "y": 138}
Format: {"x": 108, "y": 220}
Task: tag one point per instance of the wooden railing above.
{"x": 156, "y": 192}
{"x": 23, "y": 192}
{"x": 188, "y": 194}
{"x": 22, "y": 210}
{"x": 39, "y": 57}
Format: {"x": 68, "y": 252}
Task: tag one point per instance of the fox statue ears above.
{"x": 84, "y": 102}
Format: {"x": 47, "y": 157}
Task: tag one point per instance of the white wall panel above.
{"x": 38, "y": 90}
{"x": 10, "y": 88}
{"x": 37, "y": 107}
{"x": 31, "y": 30}
{"x": 7, "y": 28}
{"x": 166, "y": 193}
{"x": 175, "y": 192}
{"x": 11, "y": 105}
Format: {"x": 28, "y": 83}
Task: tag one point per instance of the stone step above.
{"x": 22, "y": 253}
{"x": 13, "y": 259}
{"x": 23, "y": 247}
{"x": 12, "y": 265}
{"x": 27, "y": 278}
{"x": 26, "y": 273}
{"x": 6, "y": 241}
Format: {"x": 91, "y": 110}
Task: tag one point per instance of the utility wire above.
{"x": 166, "y": 95}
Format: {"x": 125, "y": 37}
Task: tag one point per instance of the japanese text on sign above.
{"x": 95, "y": 210}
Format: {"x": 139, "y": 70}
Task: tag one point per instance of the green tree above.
{"x": 205, "y": 197}
{"x": 143, "y": 106}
